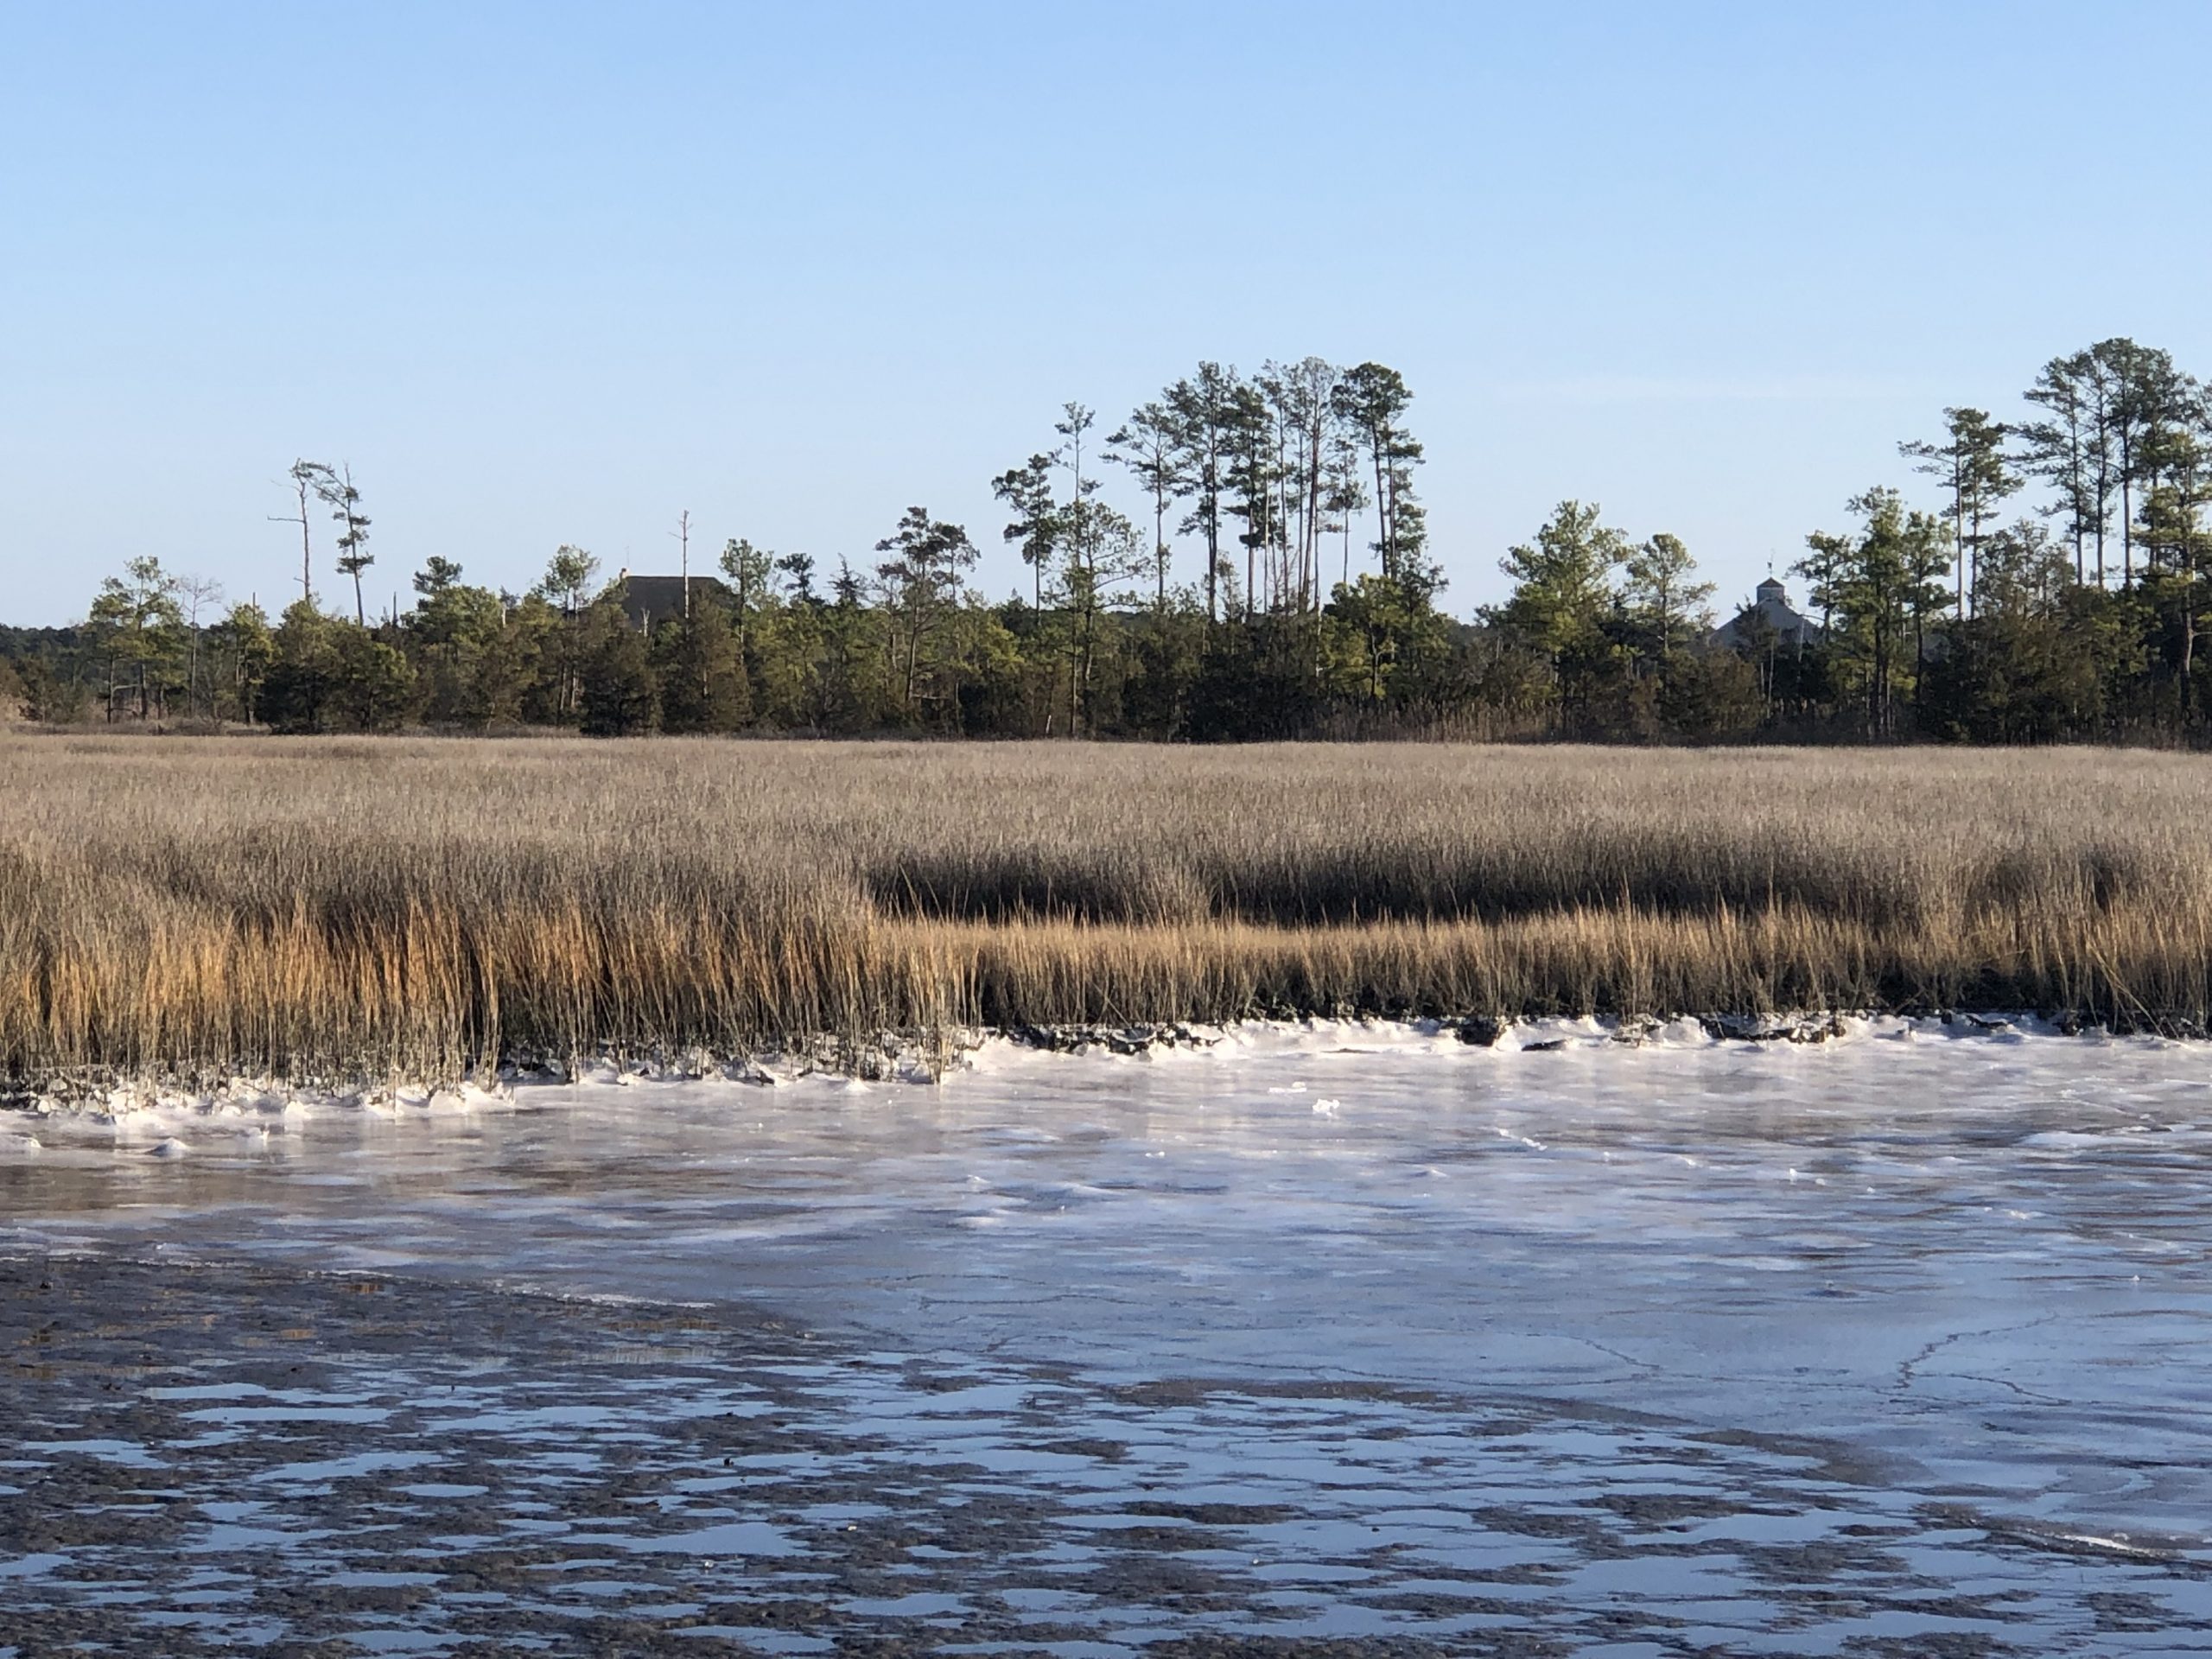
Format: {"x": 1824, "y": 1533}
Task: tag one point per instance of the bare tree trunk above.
{"x": 2126, "y": 509}
{"x": 1958, "y": 533}
{"x": 683, "y": 544}
{"x": 2188, "y": 619}
{"x": 1160, "y": 540}
{"x": 1213, "y": 573}
{"x": 1382, "y": 509}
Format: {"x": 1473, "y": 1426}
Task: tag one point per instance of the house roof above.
{"x": 650, "y": 600}
{"x": 1769, "y": 615}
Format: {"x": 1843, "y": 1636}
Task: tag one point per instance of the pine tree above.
{"x": 1250, "y": 479}
{"x": 243, "y": 639}
{"x": 1972, "y": 465}
{"x": 344, "y": 501}
{"x": 1153, "y": 445}
{"x": 1035, "y": 526}
{"x": 2057, "y": 449}
{"x": 747, "y": 569}
{"x": 1659, "y": 595}
{"x": 619, "y": 697}
{"x": 1203, "y": 410}
{"x": 567, "y": 584}
{"x": 1563, "y": 581}
{"x": 700, "y": 676}
{"x": 1879, "y": 585}
{"x": 303, "y": 671}
{"x": 1372, "y": 400}
{"x": 921, "y": 579}
{"x": 137, "y": 626}
{"x": 373, "y": 689}
{"x": 2145, "y": 387}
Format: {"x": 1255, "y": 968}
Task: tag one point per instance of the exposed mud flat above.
{"x": 214, "y": 1459}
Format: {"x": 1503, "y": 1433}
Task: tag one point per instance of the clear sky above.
{"x": 548, "y": 273}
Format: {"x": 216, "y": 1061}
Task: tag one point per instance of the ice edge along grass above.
{"x": 157, "y": 1102}
{"x": 324, "y": 913}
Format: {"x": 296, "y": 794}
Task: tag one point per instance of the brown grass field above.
{"x": 331, "y": 911}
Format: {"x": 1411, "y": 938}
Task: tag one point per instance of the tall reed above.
{"x": 337, "y": 910}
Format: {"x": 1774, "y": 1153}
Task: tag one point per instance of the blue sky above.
{"x": 553, "y": 273}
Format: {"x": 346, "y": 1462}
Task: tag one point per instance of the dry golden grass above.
{"x": 333, "y": 910}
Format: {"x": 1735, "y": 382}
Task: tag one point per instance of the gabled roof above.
{"x": 1769, "y": 615}
{"x": 650, "y": 600}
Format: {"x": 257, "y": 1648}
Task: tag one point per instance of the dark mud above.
{"x": 210, "y": 1459}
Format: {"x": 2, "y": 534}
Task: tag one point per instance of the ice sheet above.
{"x": 1975, "y": 1261}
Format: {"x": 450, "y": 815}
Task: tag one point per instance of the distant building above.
{"x": 1769, "y": 622}
{"x": 648, "y": 602}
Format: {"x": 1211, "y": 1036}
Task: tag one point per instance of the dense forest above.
{"x": 2051, "y": 592}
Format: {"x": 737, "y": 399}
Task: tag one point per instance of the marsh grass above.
{"x": 317, "y": 911}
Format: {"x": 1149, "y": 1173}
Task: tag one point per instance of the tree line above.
{"x": 1313, "y": 609}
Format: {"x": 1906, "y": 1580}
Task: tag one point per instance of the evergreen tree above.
{"x": 1372, "y": 400}
{"x": 787, "y": 661}
{"x": 747, "y": 569}
{"x": 1663, "y": 604}
{"x": 1563, "y": 581}
{"x": 1205, "y": 415}
{"x": 1599, "y": 636}
{"x": 567, "y": 584}
{"x": 2101, "y": 468}
{"x": 1384, "y": 633}
{"x": 1153, "y": 445}
{"x": 2144, "y": 389}
{"x": 1879, "y": 585}
{"x": 2058, "y": 449}
{"x": 926, "y": 558}
{"x": 2176, "y": 462}
{"x": 1972, "y": 465}
{"x": 505, "y": 672}
{"x": 617, "y": 696}
{"x": 702, "y": 677}
{"x": 244, "y": 641}
{"x": 303, "y": 671}
{"x": 136, "y": 626}
{"x": 49, "y": 694}
{"x": 1109, "y": 557}
{"x": 1035, "y": 527}
{"x": 1563, "y": 598}
{"x": 798, "y": 568}
{"x": 1249, "y": 480}
{"x": 452, "y": 629}
{"x": 1301, "y": 403}
{"x": 344, "y": 501}
{"x": 1074, "y": 428}
{"x": 1346, "y": 497}
{"x": 854, "y": 691}
{"x": 372, "y": 687}
{"x": 2036, "y": 663}
{"x": 1710, "y": 694}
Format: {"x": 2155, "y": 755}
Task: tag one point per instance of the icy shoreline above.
{"x": 898, "y": 1059}
{"x": 1973, "y": 1253}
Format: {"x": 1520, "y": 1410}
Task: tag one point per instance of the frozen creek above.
{"x": 1324, "y": 1341}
